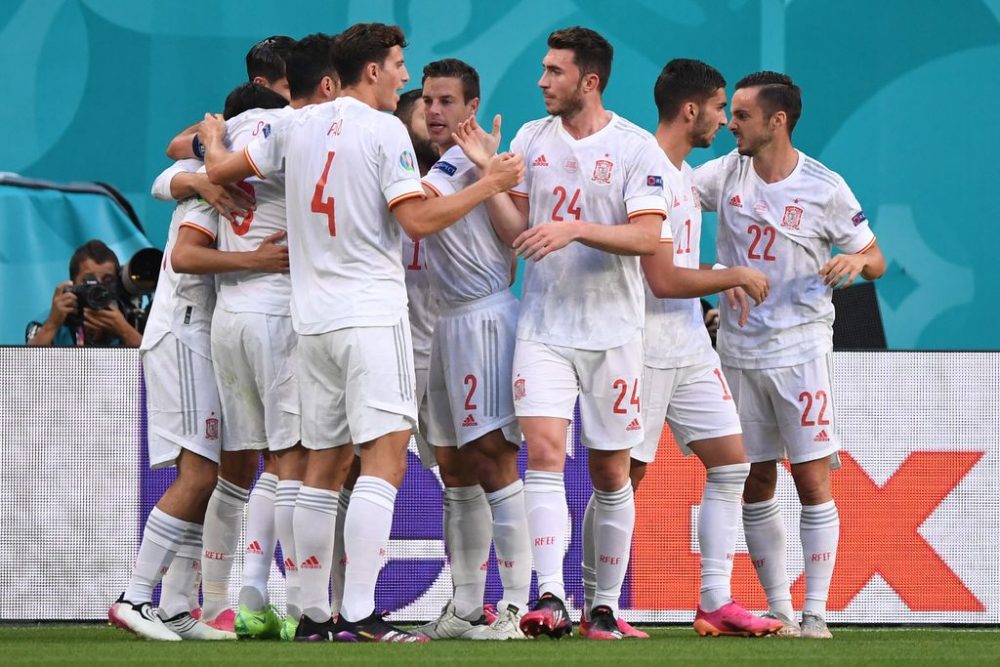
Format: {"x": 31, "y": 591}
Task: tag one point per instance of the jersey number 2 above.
{"x": 320, "y": 205}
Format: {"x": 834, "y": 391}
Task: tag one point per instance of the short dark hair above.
{"x": 94, "y": 250}
{"x": 684, "y": 80}
{"x": 309, "y": 61}
{"x": 364, "y": 43}
{"x": 267, "y": 58}
{"x": 455, "y": 69}
{"x": 591, "y": 52}
{"x": 404, "y": 108}
{"x": 248, "y": 96}
{"x": 777, "y": 93}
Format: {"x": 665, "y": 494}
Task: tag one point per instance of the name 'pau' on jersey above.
{"x": 786, "y": 230}
{"x": 578, "y": 296}
{"x": 467, "y": 260}
{"x": 345, "y": 166}
{"x": 183, "y": 302}
{"x": 251, "y": 291}
{"x": 675, "y": 335}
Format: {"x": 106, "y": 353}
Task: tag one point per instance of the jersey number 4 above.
{"x": 320, "y": 205}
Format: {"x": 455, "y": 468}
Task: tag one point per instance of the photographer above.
{"x": 71, "y": 322}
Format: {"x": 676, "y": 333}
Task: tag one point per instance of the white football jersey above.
{"x": 786, "y": 230}
{"x": 578, "y": 296}
{"x": 424, "y": 306}
{"x": 249, "y": 291}
{"x": 467, "y": 260}
{"x": 183, "y": 302}
{"x": 675, "y": 335}
{"x": 346, "y": 165}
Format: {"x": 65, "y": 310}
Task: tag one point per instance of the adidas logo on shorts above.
{"x": 633, "y": 425}
{"x": 470, "y": 421}
{"x": 255, "y": 548}
{"x": 822, "y": 437}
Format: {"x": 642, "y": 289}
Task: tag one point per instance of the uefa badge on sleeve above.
{"x": 792, "y": 217}
{"x": 406, "y": 161}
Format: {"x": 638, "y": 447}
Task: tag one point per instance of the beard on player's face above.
{"x": 427, "y": 155}
{"x": 704, "y": 130}
{"x": 568, "y": 105}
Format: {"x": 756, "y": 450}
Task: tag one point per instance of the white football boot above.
{"x": 141, "y": 620}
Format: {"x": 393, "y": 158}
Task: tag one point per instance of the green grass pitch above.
{"x": 908, "y": 647}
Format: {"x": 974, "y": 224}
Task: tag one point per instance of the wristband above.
{"x": 197, "y": 147}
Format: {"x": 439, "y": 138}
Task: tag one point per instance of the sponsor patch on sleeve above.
{"x": 858, "y": 218}
{"x": 446, "y": 167}
{"x": 654, "y": 181}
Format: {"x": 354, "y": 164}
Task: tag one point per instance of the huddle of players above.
{"x": 598, "y": 207}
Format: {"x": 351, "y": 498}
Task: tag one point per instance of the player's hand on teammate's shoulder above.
{"x": 507, "y": 170}
{"x": 272, "y": 257}
{"x": 229, "y": 201}
{"x": 211, "y": 127}
{"x": 477, "y": 145}
{"x": 538, "y": 242}
{"x": 843, "y": 266}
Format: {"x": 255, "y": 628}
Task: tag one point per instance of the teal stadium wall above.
{"x": 900, "y": 98}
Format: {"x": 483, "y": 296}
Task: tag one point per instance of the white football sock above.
{"x": 223, "y": 521}
{"x": 260, "y": 543}
{"x": 315, "y": 521}
{"x": 285, "y": 494}
{"x": 162, "y": 536}
{"x": 469, "y": 533}
{"x": 339, "y": 556}
{"x": 588, "y": 568}
{"x": 545, "y": 504}
{"x": 819, "y": 530}
{"x": 718, "y": 529}
{"x": 765, "y": 534}
{"x": 512, "y": 542}
{"x": 614, "y": 521}
{"x": 366, "y": 535}
{"x": 179, "y": 593}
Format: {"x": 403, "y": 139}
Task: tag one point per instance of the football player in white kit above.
{"x": 185, "y": 420}
{"x": 349, "y": 170}
{"x": 682, "y": 380}
{"x": 472, "y": 424}
{"x": 594, "y": 178}
{"x": 253, "y": 346}
{"x": 781, "y": 211}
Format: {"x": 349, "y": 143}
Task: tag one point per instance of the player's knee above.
{"x": 609, "y": 471}
{"x": 812, "y": 483}
{"x": 761, "y": 482}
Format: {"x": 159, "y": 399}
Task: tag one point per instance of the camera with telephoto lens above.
{"x": 136, "y": 284}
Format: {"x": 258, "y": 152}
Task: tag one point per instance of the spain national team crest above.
{"x": 212, "y": 428}
{"x": 602, "y": 171}
{"x": 792, "y": 217}
{"x": 518, "y": 389}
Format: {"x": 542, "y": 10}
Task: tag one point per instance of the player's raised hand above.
{"x": 477, "y": 145}
{"x": 212, "y": 127}
{"x": 843, "y": 266}
{"x": 271, "y": 257}
{"x": 507, "y": 170}
{"x": 538, "y": 242}
{"x": 738, "y": 300}
{"x": 754, "y": 283}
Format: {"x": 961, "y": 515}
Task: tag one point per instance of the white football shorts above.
{"x": 548, "y": 379}
{"x": 786, "y": 412}
{"x": 694, "y": 400}
{"x": 182, "y": 403}
{"x": 356, "y": 384}
{"x": 253, "y": 354}
{"x": 472, "y": 353}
